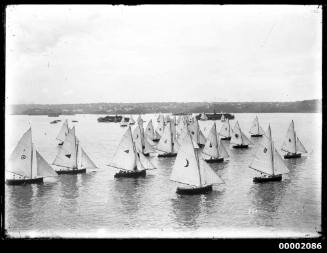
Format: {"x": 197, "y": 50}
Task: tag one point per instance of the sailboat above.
{"x": 63, "y": 133}
{"x": 151, "y": 133}
{"x": 256, "y": 130}
{"x": 268, "y": 161}
{"x": 71, "y": 157}
{"x": 203, "y": 116}
{"x": 239, "y": 139}
{"x": 160, "y": 127}
{"x": 123, "y": 122}
{"x": 192, "y": 171}
{"x": 131, "y": 120}
{"x": 130, "y": 162}
{"x": 168, "y": 145}
{"x": 26, "y": 165}
{"x": 292, "y": 144}
{"x": 214, "y": 150}
{"x": 196, "y": 133}
{"x": 225, "y": 131}
{"x": 140, "y": 120}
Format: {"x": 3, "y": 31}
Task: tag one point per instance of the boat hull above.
{"x": 267, "y": 179}
{"x": 226, "y": 138}
{"x": 200, "y": 145}
{"x": 240, "y": 146}
{"x": 218, "y": 160}
{"x": 71, "y": 172}
{"x": 146, "y": 154}
{"x": 256, "y": 135}
{"x": 24, "y": 181}
{"x": 193, "y": 191}
{"x": 290, "y": 156}
{"x": 167, "y": 155}
{"x": 130, "y": 174}
{"x": 156, "y": 140}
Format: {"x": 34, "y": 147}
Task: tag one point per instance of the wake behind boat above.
{"x": 267, "y": 161}
{"x": 26, "y": 165}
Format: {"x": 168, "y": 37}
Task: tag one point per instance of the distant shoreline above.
{"x": 305, "y": 106}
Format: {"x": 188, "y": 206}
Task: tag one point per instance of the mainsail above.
{"x": 63, "y": 131}
{"x": 214, "y": 147}
{"x": 43, "y": 168}
{"x": 125, "y": 155}
{"x": 225, "y": 130}
{"x": 131, "y": 120}
{"x": 86, "y": 161}
{"x": 208, "y": 176}
{"x": 137, "y": 138}
{"x": 256, "y": 129}
{"x": 20, "y": 161}
{"x": 67, "y": 154}
{"x": 165, "y": 143}
{"x": 149, "y": 131}
{"x": 196, "y": 132}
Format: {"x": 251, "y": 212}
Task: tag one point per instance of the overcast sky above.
{"x": 86, "y": 54}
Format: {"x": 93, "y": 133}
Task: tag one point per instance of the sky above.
{"x": 154, "y": 53}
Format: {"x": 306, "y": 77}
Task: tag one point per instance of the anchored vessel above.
{"x": 26, "y": 165}
{"x": 239, "y": 139}
{"x": 267, "y": 161}
{"x": 168, "y": 145}
{"x": 196, "y": 133}
{"x": 71, "y": 157}
{"x": 63, "y": 133}
{"x": 256, "y": 130}
{"x": 192, "y": 171}
{"x": 225, "y": 131}
{"x": 214, "y": 150}
{"x": 292, "y": 144}
{"x": 130, "y": 162}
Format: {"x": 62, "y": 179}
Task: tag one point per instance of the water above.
{"x": 97, "y": 205}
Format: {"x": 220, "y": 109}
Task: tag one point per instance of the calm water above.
{"x": 97, "y": 205}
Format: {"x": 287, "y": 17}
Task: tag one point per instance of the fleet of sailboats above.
{"x": 268, "y": 161}
{"x": 239, "y": 139}
{"x": 182, "y": 138}
{"x": 26, "y": 165}
{"x": 292, "y": 144}
{"x": 256, "y": 130}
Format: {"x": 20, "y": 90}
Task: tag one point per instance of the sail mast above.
{"x": 32, "y": 160}
{"x": 294, "y": 136}
{"x": 257, "y": 124}
{"x": 216, "y": 139}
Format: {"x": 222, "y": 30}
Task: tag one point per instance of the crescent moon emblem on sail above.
{"x": 187, "y": 163}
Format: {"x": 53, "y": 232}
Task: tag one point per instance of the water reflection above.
{"x": 69, "y": 186}
{"x": 20, "y": 196}
{"x": 187, "y": 209}
{"x": 43, "y": 189}
{"x": 265, "y": 201}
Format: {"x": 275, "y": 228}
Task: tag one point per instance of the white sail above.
{"x": 63, "y": 131}
{"x": 203, "y": 116}
{"x": 299, "y": 146}
{"x": 255, "y": 127}
{"x": 86, "y": 161}
{"x": 245, "y": 139}
{"x": 194, "y": 131}
{"x": 208, "y": 176}
{"x": 186, "y": 166}
{"x": 202, "y": 139}
{"x": 222, "y": 150}
{"x": 137, "y": 138}
{"x": 289, "y": 144}
{"x": 160, "y": 128}
{"x": 279, "y": 165}
{"x": 222, "y": 117}
{"x": 237, "y": 135}
{"x": 165, "y": 143}
{"x": 131, "y": 120}
{"x": 149, "y": 131}
{"x": 146, "y": 163}
{"x": 225, "y": 130}
{"x": 125, "y": 157}
{"x": 211, "y": 146}
{"x": 20, "y": 161}
{"x": 67, "y": 154}
{"x": 263, "y": 159}
{"x": 140, "y": 121}
{"x": 148, "y": 146}
{"x": 167, "y": 119}
{"x": 43, "y": 168}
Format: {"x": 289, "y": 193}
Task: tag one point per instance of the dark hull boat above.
{"x": 200, "y": 145}
{"x": 130, "y": 174}
{"x": 267, "y": 179}
{"x": 146, "y": 154}
{"x": 167, "y": 155}
{"x": 38, "y": 180}
{"x": 192, "y": 191}
{"x": 71, "y": 172}
{"x": 256, "y": 135}
{"x": 226, "y": 138}
{"x": 60, "y": 144}
{"x": 219, "y": 160}
{"x": 156, "y": 140}
{"x": 240, "y": 146}
{"x": 292, "y": 155}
